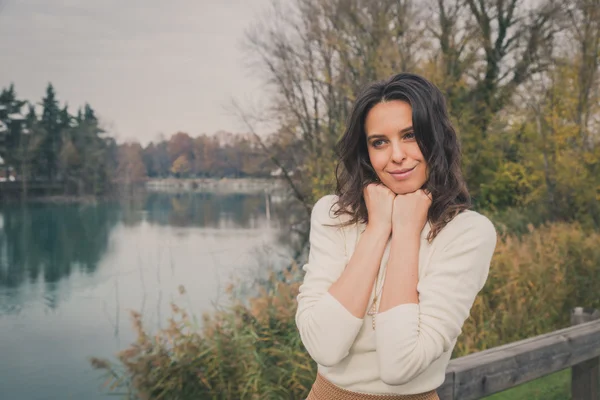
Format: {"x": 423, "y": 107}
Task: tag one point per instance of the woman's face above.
{"x": 393, "y": 149}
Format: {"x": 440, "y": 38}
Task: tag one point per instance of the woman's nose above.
{"x": 398, "y": 153}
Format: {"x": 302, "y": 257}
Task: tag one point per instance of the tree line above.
{"x": 223, "y": 154}
{"x": 47, "y": 144}
{"x": 53, "y": 146}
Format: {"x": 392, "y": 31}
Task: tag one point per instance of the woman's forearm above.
{"x": 353, "y": 288}
{"x": 402, "y": 271}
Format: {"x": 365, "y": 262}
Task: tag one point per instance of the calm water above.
{"x": 69, "y": 274}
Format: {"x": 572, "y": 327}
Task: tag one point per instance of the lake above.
{"x": 70, "y": 274}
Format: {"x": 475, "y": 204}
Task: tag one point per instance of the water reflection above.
{"x": 48, "y": 242}
{"x": 208, "y": 210}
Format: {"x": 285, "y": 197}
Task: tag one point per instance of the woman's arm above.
{"x": 402, "y": 271}
{"x": 413, "y": 334}
{"x": 409, "y": 215}
{"x": 334, "y": 296}
{"x": 353, "y": 288}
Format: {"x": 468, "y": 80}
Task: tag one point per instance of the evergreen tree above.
{"x": 56, "y": 145}
{"x": 52, "y": 127}
{"x": 88, "y": 113}
{"x": 8, "y": 98}
{"x": 64, "y": 118}
{"x": 10, "y": 106}
{"x": 31, "y": 116}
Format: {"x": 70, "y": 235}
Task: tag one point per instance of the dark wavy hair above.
{"x": 435, "y": 136}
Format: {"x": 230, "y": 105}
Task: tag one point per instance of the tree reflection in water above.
{"x": 48, "y": 242}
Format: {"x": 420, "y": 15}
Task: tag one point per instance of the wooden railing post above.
{"x": 585, "y": 377}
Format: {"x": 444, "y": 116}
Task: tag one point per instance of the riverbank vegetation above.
{"x": 251, "y": 349}
{"x": 522, "y": 86}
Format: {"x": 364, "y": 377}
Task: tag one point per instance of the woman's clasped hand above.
{"x": 393, "y": 212}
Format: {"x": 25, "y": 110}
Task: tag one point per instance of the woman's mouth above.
{"x": 402, "y": 174}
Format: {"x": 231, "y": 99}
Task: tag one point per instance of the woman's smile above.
{"x": 402, "y": 174}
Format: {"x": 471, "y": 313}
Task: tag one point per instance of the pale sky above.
{"x": 147, "y": 67}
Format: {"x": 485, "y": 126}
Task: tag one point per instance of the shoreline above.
{"x": 162, "y": 185}
{"x": 216, "y": 185}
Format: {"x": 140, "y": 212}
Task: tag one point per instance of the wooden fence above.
{"x": 500, "y": 368}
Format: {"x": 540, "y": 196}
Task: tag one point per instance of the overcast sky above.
{"x": 147, "y": 67}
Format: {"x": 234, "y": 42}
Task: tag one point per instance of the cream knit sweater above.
{"x": 409, "y": 351}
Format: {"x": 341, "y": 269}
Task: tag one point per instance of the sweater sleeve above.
{"x": 410, "y": 337}
{"x": 326, "y": 327}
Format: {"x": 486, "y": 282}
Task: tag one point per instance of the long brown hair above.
{"x": 435, "y": 136}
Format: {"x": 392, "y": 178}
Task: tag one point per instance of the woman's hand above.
{"x": 410, "y": 211}
{"x": 379, "y": 200}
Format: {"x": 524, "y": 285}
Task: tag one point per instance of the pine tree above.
{"x": 31, "y": 116}
{"x": 10, "y": 138}
{"x": 88, "y": 113}
{"x": 52, "y": 127}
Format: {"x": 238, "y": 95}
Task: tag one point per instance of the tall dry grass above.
{"x": 533, "y": 284}
{"x": 252, "y": 349}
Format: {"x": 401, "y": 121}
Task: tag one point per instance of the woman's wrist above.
{"x": 405, "y": 230}
{"x": 382, "y": 230}
{"x": 406, "y": 239}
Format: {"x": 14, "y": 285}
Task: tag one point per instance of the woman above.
{"x": 396, "y": 258}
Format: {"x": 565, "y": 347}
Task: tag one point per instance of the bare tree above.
{"x": 317, "y": 54}
{"x": 584, "y": 29}
{"x": 493, "y": 47}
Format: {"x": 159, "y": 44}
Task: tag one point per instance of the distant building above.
{"x": 278, "y": 173}
{"x": 16, "y": 117}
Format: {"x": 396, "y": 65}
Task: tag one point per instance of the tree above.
{"x": 131, "y": 168}
{"x": 584, "y": 31}
{"x": 316, "y": 54}
{"x": 52, "y": 125}
{"x": 71, "y": 150}
{"x": 180, "y": 144}
{"x": 181, "y": 166}
{"x": 11, "y": 106}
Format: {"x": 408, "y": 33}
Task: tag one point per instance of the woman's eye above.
{"x": 377, "y": 143}
{"x": 409, "y": 135}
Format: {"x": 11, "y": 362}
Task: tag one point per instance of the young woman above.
{"x": 396, "y": 258}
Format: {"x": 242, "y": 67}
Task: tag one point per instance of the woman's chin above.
{"x": 404, "y": 187}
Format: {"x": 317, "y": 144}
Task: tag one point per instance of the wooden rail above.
{"x": 494, "y": 370}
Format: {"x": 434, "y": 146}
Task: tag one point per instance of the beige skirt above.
{"x": 322, "y": 389}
